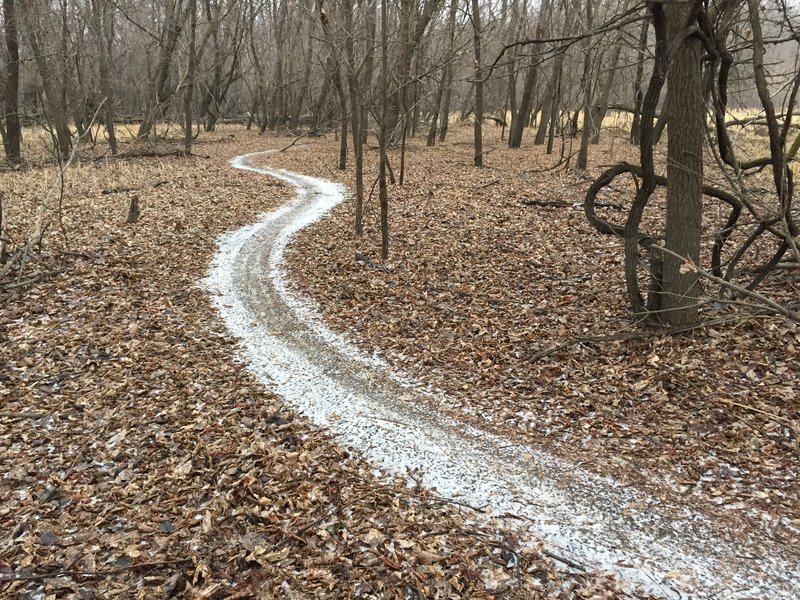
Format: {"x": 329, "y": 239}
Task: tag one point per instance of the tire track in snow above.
{"x": 664, "y": 549}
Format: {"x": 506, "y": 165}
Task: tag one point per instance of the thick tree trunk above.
{"x": 679, "y": 287}
{"x": 13, "y": 132}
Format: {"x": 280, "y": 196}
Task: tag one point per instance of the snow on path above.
{"x": 664, "y": 549}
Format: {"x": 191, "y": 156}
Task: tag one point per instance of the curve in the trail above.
{"x": 663, "y": 549}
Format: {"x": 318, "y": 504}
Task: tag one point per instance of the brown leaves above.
{"x": 136, "y": 453}
{"x": 480, "y": 284}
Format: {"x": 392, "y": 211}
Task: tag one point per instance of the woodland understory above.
{"x": 500, "y": 293}
{"x": 140, "y": 457}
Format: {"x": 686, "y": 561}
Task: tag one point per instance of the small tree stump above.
{"x": 133, "y": 209}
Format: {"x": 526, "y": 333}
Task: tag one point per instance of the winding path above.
{"x": 663, "y": 549}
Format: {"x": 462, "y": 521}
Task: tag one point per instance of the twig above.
{"x": 297, "y": 139}
{"x": 117, "y": 571}
{"x": 7, "y": 414}
{"x": 371, "y": 263}
{"x": 781, "y": 310}
{"x": 629, "y": 335}
{"x": 564, "y": 560}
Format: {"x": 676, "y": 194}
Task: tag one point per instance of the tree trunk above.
{"x": 680, "y": 290}
{"x": 57, "y": 111}
{"x": 551, "y": 99}
{"x": 297, "y": 109}
{"x": 190, "y": 77}
{"x": 383, "y": 193}
{"x": 582, "y": 161}
{"x": 638, "y": 96}
{"x": 13, "y": 137}
{"x": 476, "y": 45}
{"x": 446, "y": 84}
{"x": 104, "y": 30}
{"x": 601, "y": 104}
{"x": 355, "y": 111}
{"x": 173, "y": 24}
{"x": 520, "y": 118}
{"x": 411, "y": 35}
{"x": 337, "y": 82}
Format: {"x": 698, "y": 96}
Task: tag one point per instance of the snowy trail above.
{"x": 664, "y": 549}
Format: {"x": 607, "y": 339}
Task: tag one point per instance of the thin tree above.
{"x": 383, "y": 192}
{"x": 191, "y": 73}
{"x": 103, "y": 22}
{"x": 476, "y": 46}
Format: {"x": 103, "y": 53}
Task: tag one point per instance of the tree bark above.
{"x": 551, "y": 99}
{"x": 680, "y": 290}
{"x": 190, "y": 78}
{"x": 355, "y": 111}
{"x": 13, "y": 131}
{"x": 520, "y": 118}
{"x": 104, "y": 30}
{"x": 638, "y": 96}
{"x": 337, "y": 82}
{"x": 55, "y": 107}
{"x": 383, "y": 192}
{"x": 159, "y": 94}
{"x": 476, "y": 45}
{"x": 442, "y": 114}
{"x": 582, "y": 161}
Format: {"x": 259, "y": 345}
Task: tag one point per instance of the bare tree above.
{"x": 476, "y": 45}
{"x": 55, "y": 95}
{"x": 103, "y": 24}
{"x": 12, "y": 132}
{"x": 160, "y": 91}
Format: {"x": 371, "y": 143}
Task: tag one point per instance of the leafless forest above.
{"x": 572, "y": 222}
{"x": 560, "y": 74}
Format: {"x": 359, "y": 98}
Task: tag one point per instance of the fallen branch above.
{"x": 371, "y": 263}
{"x": 297, "y": 139}
{"x": 563, "y": 559}
{"x": 629, "y": 335}
{"x": 565, "y": 204}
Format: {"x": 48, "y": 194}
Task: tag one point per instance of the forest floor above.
{"x": 138, "y": 454}
{"x": 489, "y": 297}
{"x": 140, "y": 458}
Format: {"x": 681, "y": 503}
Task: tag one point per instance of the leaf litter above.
{"x": 139, "y": 458}
{"x": 479, "y": 282}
